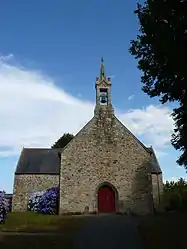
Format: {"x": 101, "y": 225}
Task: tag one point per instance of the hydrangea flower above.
{"x": 49, "y": 201}
{"x": 4, "y": 206}
{"x": 45, "y": 202}
{"x": 34, "y": 199}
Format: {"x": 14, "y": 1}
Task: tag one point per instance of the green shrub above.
{"x": 175, "y": 195}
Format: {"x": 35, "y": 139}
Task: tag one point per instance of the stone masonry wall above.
{"x": 105, "y": 151}
{"x": 157, "y": 187}
{"x": 24, "y": 185}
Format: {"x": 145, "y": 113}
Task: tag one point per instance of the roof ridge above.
{"x": 35, "y": 148}
{"x": 42, "y": 149}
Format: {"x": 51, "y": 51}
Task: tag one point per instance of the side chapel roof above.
{"x": 39, "y": 161}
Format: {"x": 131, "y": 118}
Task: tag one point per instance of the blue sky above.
{"x": 49, "y": 57}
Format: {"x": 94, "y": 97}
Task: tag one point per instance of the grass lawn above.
{"x": 34, "y": 222}
{"x": 63, "y": 228}
{"x": 164, "y": 231}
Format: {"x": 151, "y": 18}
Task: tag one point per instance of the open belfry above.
{"x": 103, "y": 169}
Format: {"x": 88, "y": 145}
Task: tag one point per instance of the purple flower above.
{"x": 45, "y": 202}
{"x": 4, "y": 206}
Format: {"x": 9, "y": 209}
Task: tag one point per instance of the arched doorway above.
{"x": 106, "y": 199}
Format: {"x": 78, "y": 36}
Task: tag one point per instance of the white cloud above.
{"x": 34, "y": 112}
{"x": 131, "y": 97}
{"x": 6, "y": 58}
{"x": 153, "y": 123}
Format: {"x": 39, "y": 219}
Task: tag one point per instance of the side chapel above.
{"x": 104, "y": 169}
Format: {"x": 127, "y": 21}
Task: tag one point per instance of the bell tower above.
{"x": 103, "y": 91}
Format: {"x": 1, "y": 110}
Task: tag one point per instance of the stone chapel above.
{"x": 104, "y": 169}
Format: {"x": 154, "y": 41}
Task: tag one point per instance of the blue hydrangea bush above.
{"x": 4, "y": 207}
{"x": 45, "y": 202}
{"x": 34, "y": 201}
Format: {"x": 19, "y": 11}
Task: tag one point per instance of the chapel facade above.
{"x": 104, "y": 169}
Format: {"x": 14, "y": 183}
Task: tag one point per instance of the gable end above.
{"x": 134, "y": 137}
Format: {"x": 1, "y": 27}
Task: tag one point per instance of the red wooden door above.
{"x": 106, "y": 200}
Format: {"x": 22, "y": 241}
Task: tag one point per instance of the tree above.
{"x": 161, "y": 51}
{"x": 63, "y": 141}
{"x": 175, "y": 195}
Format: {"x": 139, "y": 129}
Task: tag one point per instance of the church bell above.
{"x": 103, "y": 100}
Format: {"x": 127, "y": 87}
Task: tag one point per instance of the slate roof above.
{"x": 154, "y": 164}
{"x": 39, "y": 161}
{"x": 47, "y": 161}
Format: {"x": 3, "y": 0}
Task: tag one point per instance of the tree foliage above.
{"x": 175, "y": 195}
{"x": 161, "y": 50}
{"x": 63, "y": 141}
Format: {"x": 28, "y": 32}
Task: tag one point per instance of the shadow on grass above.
{"x": 36, "y": 242}
{"x": 167, "y": 230}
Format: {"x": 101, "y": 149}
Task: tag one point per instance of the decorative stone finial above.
{"x": 102, "y": 70}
